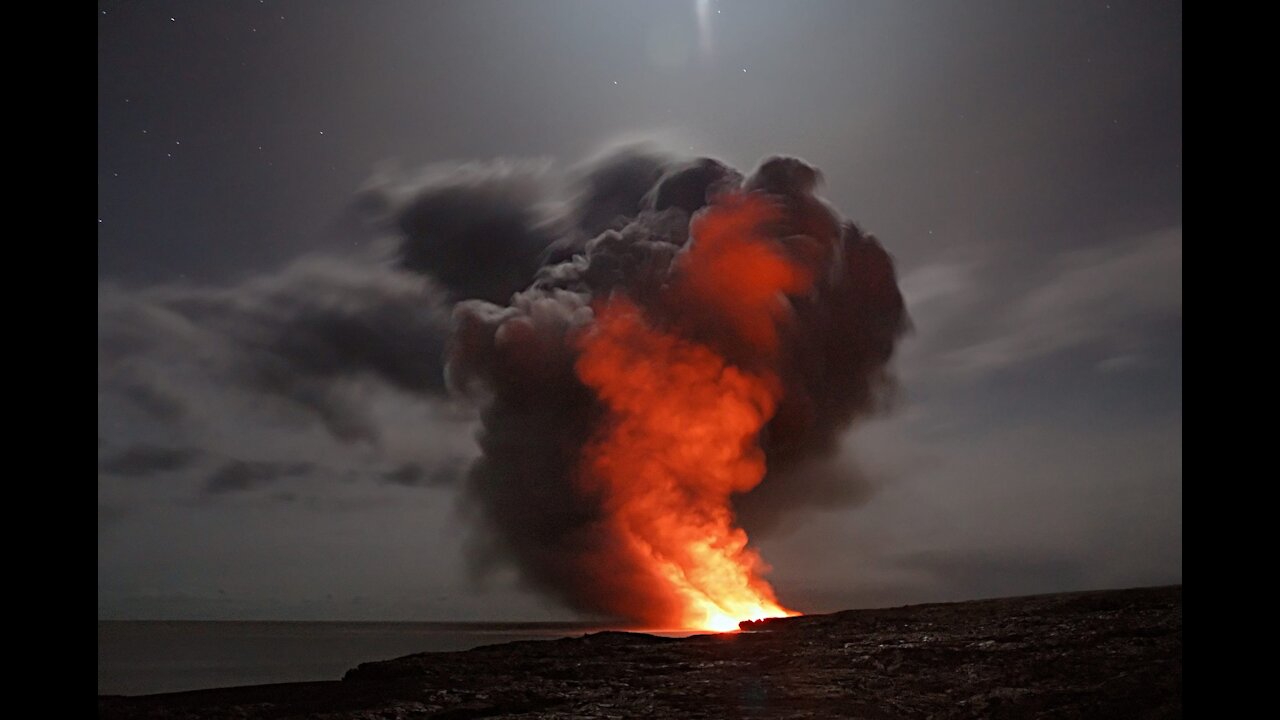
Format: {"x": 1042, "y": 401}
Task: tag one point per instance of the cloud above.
{"x": 478, "y": 229}
{"x": 323, "y": 373}
{"x": 310, "y": 335}
{"x": 1108, "y": 296}
{"x": 242, "y": 476}
{"x": 414, "y": 474}
{"x": 108, "y": 515}
{"x": 936, "y": 282}
{"x": 611, "y": 187}
{"x": 143, "y": 460}
{"x": 995, "y": 506}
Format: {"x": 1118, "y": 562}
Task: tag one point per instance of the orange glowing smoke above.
{"x": 684, "y": 420}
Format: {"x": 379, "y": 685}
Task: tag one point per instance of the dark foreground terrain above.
{"x": 1112, "y": 654}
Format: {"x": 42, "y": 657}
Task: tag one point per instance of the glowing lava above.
{"x": 682, "y": 432}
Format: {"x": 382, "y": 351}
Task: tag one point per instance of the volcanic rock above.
{"x": 1109, "y": 654}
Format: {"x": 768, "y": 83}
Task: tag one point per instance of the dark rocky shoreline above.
{"x": 1106, "y": 654}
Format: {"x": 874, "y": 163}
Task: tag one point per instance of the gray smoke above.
{"x": 534, "y": 277}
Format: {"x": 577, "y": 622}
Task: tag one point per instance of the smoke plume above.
{"x": 675, "y": 372}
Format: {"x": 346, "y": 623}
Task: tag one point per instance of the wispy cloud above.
{"x": 982, "y": 316}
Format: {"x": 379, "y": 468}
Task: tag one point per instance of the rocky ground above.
{"x": 1111, "y": 654}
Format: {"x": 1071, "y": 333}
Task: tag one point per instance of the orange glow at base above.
{"x": 681, "y": 436}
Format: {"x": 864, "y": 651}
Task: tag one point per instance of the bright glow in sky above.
{"x": 704, "y": 25}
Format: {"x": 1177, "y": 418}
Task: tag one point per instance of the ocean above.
{"x": 143, "y": 657}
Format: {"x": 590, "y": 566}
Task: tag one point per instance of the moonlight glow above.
{"x": 703, "y": 9}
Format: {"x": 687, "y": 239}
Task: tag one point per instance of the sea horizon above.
{"x": 143, "y": 657}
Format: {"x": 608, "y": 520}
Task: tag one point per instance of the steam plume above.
{"x": 679, "y": 308}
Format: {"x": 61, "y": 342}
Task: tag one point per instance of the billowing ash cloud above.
{"x": 623, "y": 236}
{"x": 478, "y": 229}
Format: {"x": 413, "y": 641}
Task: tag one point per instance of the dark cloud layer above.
{"x": 477, "y": 229}
{"x": 142, "y": 460}
{"x": 306, "y": 336}
{"x": 414, "y": 474}
{"x": 241, "y": 476}
{"x": 613, "y": 189}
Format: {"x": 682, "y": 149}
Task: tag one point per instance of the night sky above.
{"x": 270, "y": 441}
